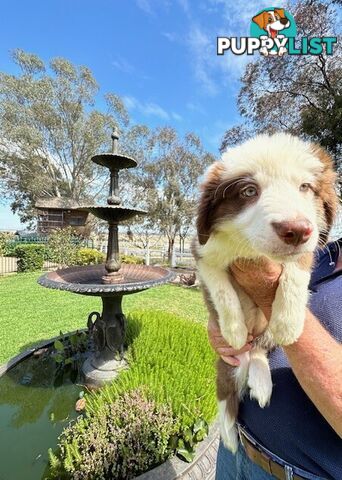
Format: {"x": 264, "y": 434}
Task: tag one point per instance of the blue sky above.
{"x": 160, "y": 55}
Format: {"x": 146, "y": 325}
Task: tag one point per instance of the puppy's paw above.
{"x": 259, "y": 377}
{"x": 261, "y": 390}
{"x": 235, "y": 334}
{"x": 285, "y": 331}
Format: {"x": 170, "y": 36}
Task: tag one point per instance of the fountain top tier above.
{"x": 113, "y": 160}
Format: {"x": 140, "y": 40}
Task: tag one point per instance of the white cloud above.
{"x": 154, "y": 109}
{"x": 237, "y": 15}
{"x": 176, "y": 116}
{"x": 233, "y": 20}
{"x": 149, "y": 109}
{"x": 194, "y": 107}
{"x": 145, "y": 5}
{"x": 202, "y": 55}
{"x": 122, "y": 65}
{"x": 171, "y": 36}
{"x": 185, "y": 6}
{"x": 230, "y": 18}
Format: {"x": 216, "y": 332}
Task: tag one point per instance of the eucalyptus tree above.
{"x": 49, "y": 129}
{"x": 168, "y": 182}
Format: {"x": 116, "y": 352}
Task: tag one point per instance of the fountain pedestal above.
{"x": 108, "y": 332}
{"x": 110, "y": 281}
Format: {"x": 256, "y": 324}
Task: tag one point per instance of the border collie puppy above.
{"x": 273, "y": 197}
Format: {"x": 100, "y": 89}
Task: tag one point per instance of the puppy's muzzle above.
{"x": 293, "y": 232}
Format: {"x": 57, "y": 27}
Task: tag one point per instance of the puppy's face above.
{"x": 273, "y": 196}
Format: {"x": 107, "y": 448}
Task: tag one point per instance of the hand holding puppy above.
{"x": 260, "y": 281}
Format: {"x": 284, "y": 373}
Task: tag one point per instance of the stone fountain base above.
{"x": 97, "y": 374}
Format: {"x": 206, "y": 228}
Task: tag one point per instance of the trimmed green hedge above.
{"x": 132, "y": 259}
{"x": 30, "y": 257}
{"x": 171, "y": 360}
{"x": 89, "y": 256}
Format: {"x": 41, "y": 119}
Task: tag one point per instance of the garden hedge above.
{"x": 30, "y": 257}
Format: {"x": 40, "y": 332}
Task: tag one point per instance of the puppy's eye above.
{"x": 249, "y": 191}
{"x": 305, "y": 187}
{"x": 270, "y": 19}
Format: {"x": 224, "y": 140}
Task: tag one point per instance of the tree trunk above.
{"x": 170, "y": 250}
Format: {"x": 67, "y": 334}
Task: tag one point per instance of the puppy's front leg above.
{"x": 288, "y": 309}
{"x": 226, "y": 303}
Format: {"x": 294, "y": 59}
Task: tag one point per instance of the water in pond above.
{"x": 32, "y": 415}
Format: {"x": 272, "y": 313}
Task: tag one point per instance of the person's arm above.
{"x": 316, "y": 358}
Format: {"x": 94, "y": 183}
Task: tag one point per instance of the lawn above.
{"x": 30, "y": 313}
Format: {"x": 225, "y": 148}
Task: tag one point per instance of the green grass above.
{"x": 30, "y": 313}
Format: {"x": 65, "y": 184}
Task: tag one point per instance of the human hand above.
{"x": 259, "y": 279}
{"x": 221, "y": 347}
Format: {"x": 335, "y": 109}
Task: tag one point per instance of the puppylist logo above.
{"x": 272, "y": 33}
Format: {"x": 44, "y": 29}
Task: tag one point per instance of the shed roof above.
{"x": 59, "y": 203}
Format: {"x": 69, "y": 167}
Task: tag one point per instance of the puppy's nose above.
{"x": 283, "y": 21}
{"x": 293, "y": 232}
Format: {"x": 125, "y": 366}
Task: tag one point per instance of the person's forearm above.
{"x": 316, "y": 360}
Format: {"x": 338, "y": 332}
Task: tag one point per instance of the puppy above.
{"x": 272, "y": 21}
{"x": 272, "y": 197}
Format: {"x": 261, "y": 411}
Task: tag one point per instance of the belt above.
{"x": 258, "y": 456}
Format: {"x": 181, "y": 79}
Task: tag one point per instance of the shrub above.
{"x": 89, "y": 256}
{"x": 9, "y": 248}
{"x": 63, "y": 246}
{"x": 132, "y": 259}
{"x": 30, "y": 257}
{"x": 124, "y": 438}
{"x": 5, "y": 241}
{"x": 171, "y": 358}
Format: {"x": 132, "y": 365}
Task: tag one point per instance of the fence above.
{"x": 9, "y": 265}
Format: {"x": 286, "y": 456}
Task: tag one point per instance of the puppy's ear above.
{"x": 280, "y": 12}
{"x": 260, "y": 20}
{"x": 207, "y": 204}
{"x": 326, "y": 190}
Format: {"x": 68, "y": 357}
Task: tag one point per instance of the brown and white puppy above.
{"x": 273, "y": 197}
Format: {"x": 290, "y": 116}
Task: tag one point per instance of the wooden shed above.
{"x": 58, "y": 212}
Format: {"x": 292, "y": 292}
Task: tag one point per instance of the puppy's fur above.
{"x": 267, "y": 182}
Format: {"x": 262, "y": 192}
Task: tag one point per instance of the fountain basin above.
{"x": 114, "y": 161}
{"x": 114, "y": 213}
{"x": 88, "y": 280}
{"x": 110, "y": 326}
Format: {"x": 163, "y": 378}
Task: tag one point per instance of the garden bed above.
{"x": 164, "y": 353}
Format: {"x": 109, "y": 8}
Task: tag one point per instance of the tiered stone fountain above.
{"x": 109, "y": 281}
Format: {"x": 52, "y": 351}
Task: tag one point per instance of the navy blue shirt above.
{"x": 292, "y": 427}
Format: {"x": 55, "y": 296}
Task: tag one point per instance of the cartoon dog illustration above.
{"x": 272, "y": 21}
